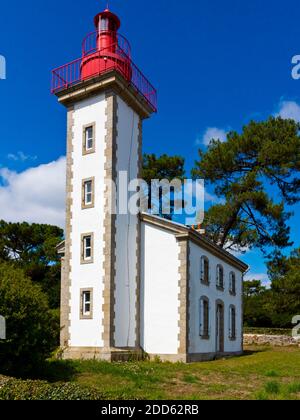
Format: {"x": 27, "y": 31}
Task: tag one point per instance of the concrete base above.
{"x": 192, "y": 358}
{"x": 108, "y": 355}
{"x": 126, "y": 355}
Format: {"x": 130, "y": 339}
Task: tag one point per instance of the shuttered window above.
{"x": 204, "y": 315}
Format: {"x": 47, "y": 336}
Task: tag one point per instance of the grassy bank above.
{"x": 262, "y": 373}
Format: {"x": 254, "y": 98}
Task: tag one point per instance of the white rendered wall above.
{"x": 159, "y": 291}
{"x": 87, "y": 333}
{"x": 126, "y": 231}
{"x": 197, "y": 290}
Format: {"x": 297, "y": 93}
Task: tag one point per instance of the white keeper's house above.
{"x": 131, "y": 283}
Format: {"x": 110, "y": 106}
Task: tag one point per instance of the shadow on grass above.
{"x": 50, "y": 371}
{"x": 251, "y": 352}
{"x": 57, "y": 371}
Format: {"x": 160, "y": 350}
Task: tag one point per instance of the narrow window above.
{"x": 88, "y": 142}
{"x": 232, "y": 323}
{"x": 89, "y": 138}
{"x": 88, "y": 193}
{"x": 86, "y": 310}
{"x": 205, "y": 270}
{"x": 232, "y": 283}
{"x": 204, "y": 318}
{"x": 87, "y": 248}
{"x": 220, "y": 277}
{"x": 104, "y": 24}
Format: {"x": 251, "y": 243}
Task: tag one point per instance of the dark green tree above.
{"x": 32, "y": 247}
{"x": 256, "y": 300}
{"x": 160, "y": 168}
{"x": 255, "y": 175}
{"x": 32, "y": 329}
{"x": 284, "y": 273}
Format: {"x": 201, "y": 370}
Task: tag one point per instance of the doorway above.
{"x": 220, "y": 326}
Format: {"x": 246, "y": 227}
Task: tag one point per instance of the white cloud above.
{"x": 211, "y": 198}
{"x": 36, "y": 195}
{"x": 20, "y": 156}
{"x": 289, "y": 110}
{"x": 263, "y": 277}
{"x": 212, "y": 133}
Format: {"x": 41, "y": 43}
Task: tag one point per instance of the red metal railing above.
{"x": 71, "y": 74}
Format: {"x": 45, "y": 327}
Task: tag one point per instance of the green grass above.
{"x": 268, "y": 331}
{"x": 262, "y": 373}
{"x": 272, "y": 388}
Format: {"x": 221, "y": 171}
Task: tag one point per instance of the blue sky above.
{"x": 216, "y": 64}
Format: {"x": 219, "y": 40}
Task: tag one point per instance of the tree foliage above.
{"x": 255, "y": 175}
{"x": 284, "y": 273}
{"x": 32, "y": 247}
{"x": 161, "y": 168}
{"x": 31, "y": 327}
{"x": 277, "y": 305}
{"x": 256, "y": 299}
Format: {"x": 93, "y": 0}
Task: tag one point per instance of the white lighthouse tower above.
{"x": 107, "y": 98}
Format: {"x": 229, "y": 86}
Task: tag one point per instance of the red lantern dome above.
{"x": 106, "y": 50}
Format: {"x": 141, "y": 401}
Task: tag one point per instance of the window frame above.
{"x": 85, "y": 149}
{"x": 84, "y": 259}
{"x": 232, "y": 323}
{"x": 83, "y": 313}
{"x": 205, "y": 279}
{"x": 84, "y": 204}
{"x": 204, "y": 318}
{"x": 220, "y": 286}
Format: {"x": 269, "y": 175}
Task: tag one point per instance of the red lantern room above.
{"x": 105, "y": 49}
{"x": 107, "y": 25}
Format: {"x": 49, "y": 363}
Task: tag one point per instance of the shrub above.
{"x": 31, "y": 328}
{"x": 16, "y": 389}
{"x": 272, "y": 387}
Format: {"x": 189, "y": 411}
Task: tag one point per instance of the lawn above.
{"x": 262, "y": 373}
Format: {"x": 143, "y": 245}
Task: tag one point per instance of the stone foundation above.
{"x": 108, "y": 355}
{"x": 270, "y": 340}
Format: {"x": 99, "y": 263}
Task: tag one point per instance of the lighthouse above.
{"x": 131, "y": 282}
{"x": 107, "y": 98}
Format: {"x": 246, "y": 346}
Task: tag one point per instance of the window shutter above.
{"x": 206, "y": 317}
{"x": 209, "y": 318}
{"x": 230, "y": 322}
{"x": 202, "y": 268}
{"x": 233, "y": 323}
{"x": 201, "y": 317}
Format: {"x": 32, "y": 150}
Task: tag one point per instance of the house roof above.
{"x": 184, "y": 232}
